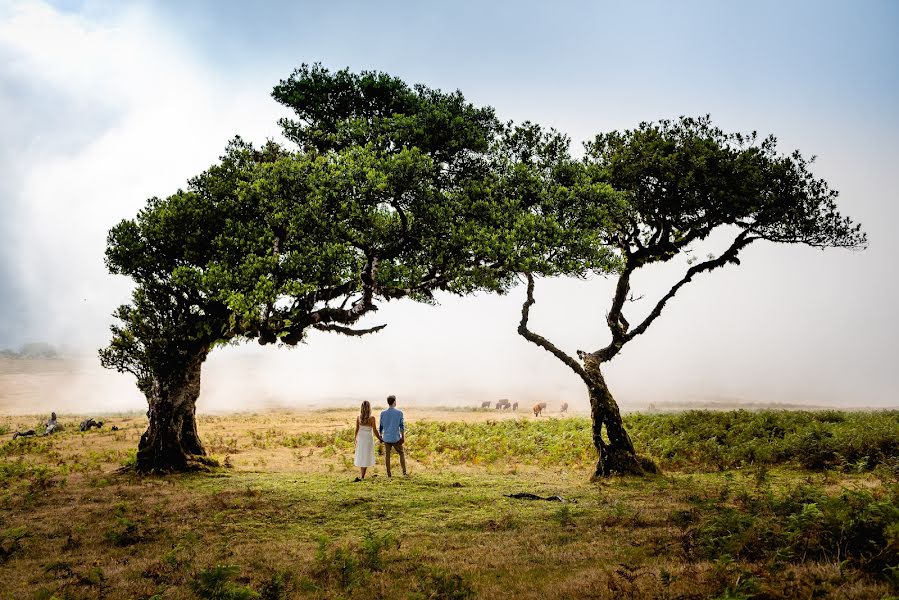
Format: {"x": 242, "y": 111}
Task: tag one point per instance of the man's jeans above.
{"x": 398, "y": 446}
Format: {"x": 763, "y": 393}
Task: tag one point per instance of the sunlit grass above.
{"x": 289, "y": 521}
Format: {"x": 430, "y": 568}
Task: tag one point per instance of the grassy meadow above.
{"x": 767, "y": 504}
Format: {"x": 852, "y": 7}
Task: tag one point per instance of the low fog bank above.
{"x": 333, "y": 371}
{"x": 721, "y": 344}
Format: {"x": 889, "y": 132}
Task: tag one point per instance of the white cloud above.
{"x": 140, "y": 117}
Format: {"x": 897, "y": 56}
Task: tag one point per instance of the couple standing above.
{"x": 391, "y": 432}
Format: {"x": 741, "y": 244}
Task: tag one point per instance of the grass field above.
{"x": 749, "y": 505}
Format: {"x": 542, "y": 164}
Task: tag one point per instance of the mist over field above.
{"x": 104, "y": 107}
{"x": 249, "y": 471}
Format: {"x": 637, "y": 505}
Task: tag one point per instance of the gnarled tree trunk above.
{"x": 190, "y": 439}
{"x": 615, "y": 454}
{"x": 171, "y": 442}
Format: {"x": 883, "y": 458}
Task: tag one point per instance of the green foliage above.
{"x": 215, "y": 583}
{"x": 373, "y": 545}
{"x": 804, "y": 524}
{"x": 700, "y": 440}
{"x": 337, "y": 565}
{"x": 814, "y": 440}
{"x": 684, "y": 178}
{"x": 276, "y": 586}
{"x": 343, "y": 109}
{"x": 548, "y": 442}
{"x": 394, "y": 192}
{"x": 440, "y": 584}
{"x": 123, "y": 531}
{"x": 130, "y": 460}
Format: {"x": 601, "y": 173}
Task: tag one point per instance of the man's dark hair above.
{"x": 391, "y": 399}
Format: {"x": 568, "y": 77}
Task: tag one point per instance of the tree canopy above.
{"x": 393, "y": 192}
{"x": 676, "y": 182}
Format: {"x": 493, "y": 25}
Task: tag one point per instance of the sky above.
{"x": 106, "y": 104}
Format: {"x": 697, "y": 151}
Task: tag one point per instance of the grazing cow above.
{"x": 539, "y": 408}
{"x": 486, "y": 404}
{"x": 564, "y": 408}
{"x": 504, "y": 403}
{"x": 515, "y": 406}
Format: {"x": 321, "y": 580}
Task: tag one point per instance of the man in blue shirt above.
{"x": 393, "y": 432}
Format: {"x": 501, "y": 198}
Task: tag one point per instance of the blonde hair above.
{"x": 365, "y": 415}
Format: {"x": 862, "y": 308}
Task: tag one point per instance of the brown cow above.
{"x": 539, "y": 408}
{"x": 564, "y": 408}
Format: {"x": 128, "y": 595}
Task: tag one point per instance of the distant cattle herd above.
{"x": 505, "y": 404}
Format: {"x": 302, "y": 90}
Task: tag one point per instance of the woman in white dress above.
{"x": 366, "y": 431}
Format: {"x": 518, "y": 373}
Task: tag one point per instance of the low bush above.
{"x": 216, "y": 583}
{"x": 442, "y": 585}
{"x": 336, "y": 566}
{"x": 858, "y": 528}
{"x": 716, "y": 440}
{"x": 814, "y": 440}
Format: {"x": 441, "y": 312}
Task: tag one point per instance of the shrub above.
{"x": 372, "y": 547}
{"x": 337, "y": 565}
{"x": 802, "y": 525}
{"x": 130, "y": 460}
{"x": 442, "y": 585}
{"x": 814, "y": 440}
{"x": 215, "y": 584}
{"x": 276, "y": 586}
{"x": 701, "y": 439}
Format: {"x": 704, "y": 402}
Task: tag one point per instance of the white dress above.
{"x": 365, "y": 447}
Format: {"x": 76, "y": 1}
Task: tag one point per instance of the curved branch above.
{"x": 618, "y": 325}
{"x": 348, "y": 330}
{"x": 729, "y": 256}
{"x": 541, "y": 341}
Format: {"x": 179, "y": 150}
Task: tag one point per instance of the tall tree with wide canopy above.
{"x": 385, "y": 198}
{"x": 677, "y": 182}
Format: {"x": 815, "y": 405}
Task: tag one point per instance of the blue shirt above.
{"x": 391, "y": 425}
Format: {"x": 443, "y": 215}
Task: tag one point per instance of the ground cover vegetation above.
{"x": 285, "y": 520}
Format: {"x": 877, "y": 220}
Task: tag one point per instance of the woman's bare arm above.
{"x": 356, "y": 435}
{"x": 374, "y": 427}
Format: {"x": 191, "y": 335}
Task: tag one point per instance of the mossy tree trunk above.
{"x": 615, "y": 452}
{"x": 171, "y": 441}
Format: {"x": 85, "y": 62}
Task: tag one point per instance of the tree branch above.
{"x": 729, "y": 256}
{"x": 618, "y": 325}
{"x": 541, "y": 341}
{"x": 327, "y": 316}
{"x": 347, "y": 330}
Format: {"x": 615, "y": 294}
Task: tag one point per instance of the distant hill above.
{"x": 31, "y": 351}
